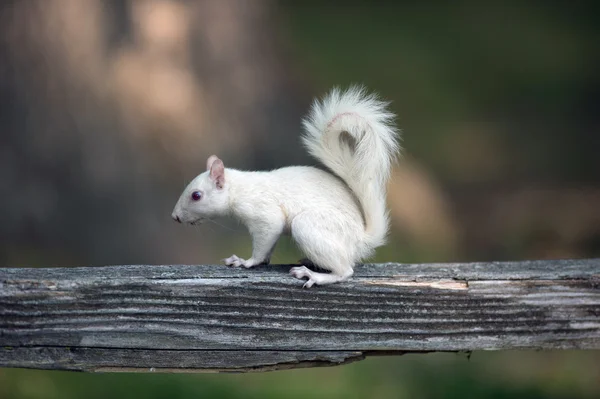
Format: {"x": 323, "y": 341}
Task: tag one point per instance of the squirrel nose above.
{"x": 176, "y": 218}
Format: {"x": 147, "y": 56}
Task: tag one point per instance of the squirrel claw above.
{"x": 301, "y": 272}
{"x": 236, "y": 261}
{"x": 233, "y": 260}
{"x": 308, "y": 284}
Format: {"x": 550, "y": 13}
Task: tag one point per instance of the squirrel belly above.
{"x": 337, "y": 218}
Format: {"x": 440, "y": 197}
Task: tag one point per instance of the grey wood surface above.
{"x": 180, "y": 318}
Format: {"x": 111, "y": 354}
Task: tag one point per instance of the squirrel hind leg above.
{"x": 325, "y": 247}
{"x": 317, "y": 278}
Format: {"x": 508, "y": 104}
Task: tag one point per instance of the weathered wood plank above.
{"x": 146, "y": 360}
{"x": 217, "y": 318}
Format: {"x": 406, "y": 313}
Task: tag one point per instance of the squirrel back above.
{"x": 352, "y": 133}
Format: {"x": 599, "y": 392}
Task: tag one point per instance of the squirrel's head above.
{"x": 206, "y": 196}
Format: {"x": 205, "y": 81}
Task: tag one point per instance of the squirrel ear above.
{"x": 210, "y": 161}
{"x": 217, "y": 172}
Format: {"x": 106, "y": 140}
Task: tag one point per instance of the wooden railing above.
{"x": 210, "y": 317}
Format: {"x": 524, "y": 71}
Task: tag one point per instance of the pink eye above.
{"x": 196, "y": 195}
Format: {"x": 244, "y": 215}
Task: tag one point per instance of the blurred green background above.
{"x": 494, "y": 375}
{"x": 108, "y": 108}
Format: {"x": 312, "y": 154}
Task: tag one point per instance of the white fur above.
{"x": 336, "y": 221}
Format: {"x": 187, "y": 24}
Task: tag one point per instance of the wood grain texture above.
{"x": 210, "y": 317}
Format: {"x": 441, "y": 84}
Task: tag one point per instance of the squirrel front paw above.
{"x": 236, "y": 261}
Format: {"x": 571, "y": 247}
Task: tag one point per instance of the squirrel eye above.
{"x": 196, "y": 195}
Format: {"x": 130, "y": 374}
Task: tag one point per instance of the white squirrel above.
{"x": 336, "y": 220}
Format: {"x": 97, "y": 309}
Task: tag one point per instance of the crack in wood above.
{"x": 436, "y": 284}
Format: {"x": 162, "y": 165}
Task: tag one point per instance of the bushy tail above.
{"x": 352, "y": 133}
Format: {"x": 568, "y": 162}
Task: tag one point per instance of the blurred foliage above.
{"x": 482, "y": 375}
{"x": 528, "y": 71}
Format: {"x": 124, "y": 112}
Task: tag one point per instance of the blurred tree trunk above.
{"x": 105, "y": 107}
